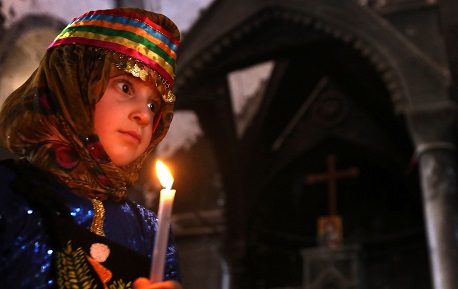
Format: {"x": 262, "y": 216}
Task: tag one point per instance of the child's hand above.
{"x": 144, "y": 283}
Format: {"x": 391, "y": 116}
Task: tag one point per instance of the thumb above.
{"x": 141, "y": 283}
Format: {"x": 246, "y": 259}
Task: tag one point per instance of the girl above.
{"x": 82, "y": 125}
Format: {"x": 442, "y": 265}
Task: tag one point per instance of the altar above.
{"x": 332, "y": 268}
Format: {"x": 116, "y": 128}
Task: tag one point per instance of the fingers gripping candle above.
{"x": 164, "y": 215}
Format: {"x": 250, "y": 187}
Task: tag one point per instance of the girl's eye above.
{"x": 153, "y": 107}
{"x": 124, "y": 87}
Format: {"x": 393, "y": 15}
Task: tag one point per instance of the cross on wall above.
{"x": 331, "y": 177}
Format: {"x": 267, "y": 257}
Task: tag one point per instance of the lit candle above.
{"x": 163, "y": 215}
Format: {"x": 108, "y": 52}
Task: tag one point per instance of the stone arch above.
{"x": 413, "y": 78}
{"x": 417, "y": 83}
{"x": 22, "y": 47}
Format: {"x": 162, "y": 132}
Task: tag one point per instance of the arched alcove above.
{"x": 23, "y": 46}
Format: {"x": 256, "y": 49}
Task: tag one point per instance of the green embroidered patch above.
{"x": 120, "y": 285}
{"x": 72, "y": 269}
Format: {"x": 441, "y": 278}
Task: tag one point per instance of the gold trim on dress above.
{"x": 99, "y": 217}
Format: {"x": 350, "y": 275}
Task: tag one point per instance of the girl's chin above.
{"x": 122, "y": 160}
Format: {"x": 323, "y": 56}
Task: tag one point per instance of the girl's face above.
{"x": 123, "y": 117}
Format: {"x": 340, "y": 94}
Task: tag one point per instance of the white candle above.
{"x": 164, "y": 215}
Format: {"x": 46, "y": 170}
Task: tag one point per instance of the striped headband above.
{"x": 128, "y": 33}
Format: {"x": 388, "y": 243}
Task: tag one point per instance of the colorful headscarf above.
{"x": 49, "y": 119}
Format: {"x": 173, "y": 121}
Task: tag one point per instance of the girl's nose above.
{"x": 141, "y": 115}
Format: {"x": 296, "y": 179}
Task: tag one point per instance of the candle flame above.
{"x": 164, "y": 175}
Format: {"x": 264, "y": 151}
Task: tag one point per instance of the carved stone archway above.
{"x": 224, "y": 39}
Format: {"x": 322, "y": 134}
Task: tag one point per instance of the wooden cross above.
{"x": 331, "y": 177}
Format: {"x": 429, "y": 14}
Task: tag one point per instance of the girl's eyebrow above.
{"x": 122, "y": 76}
{"x": 156, "y": 95}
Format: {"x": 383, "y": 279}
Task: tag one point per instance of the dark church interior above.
{"x": 337, "y": 90}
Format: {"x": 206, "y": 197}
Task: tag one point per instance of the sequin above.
{"x": 25, "y": 245}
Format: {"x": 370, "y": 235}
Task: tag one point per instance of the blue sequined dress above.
{"x": 27, "y": 254}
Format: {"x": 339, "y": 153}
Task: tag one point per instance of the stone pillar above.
{"x": 439, "y": 183}
{"x": 434, "y": 132}
{"x": 234, "y": 275}
{"x": 217, "y": 122}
